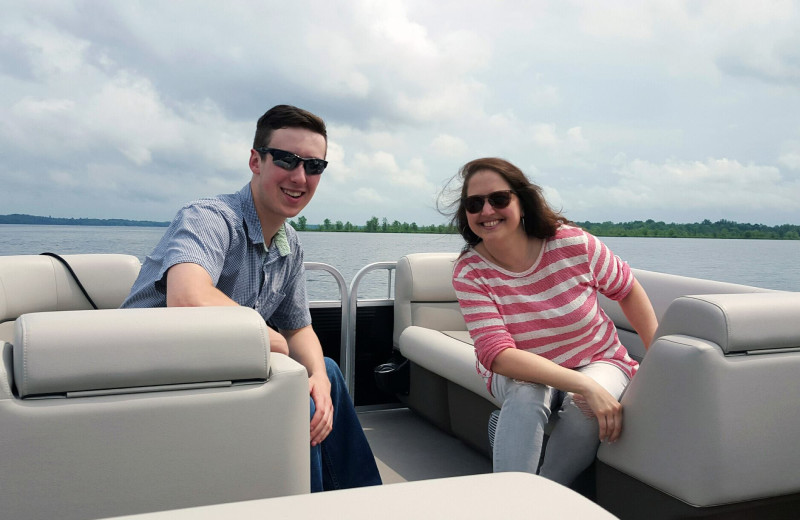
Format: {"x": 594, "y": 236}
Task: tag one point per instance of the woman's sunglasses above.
{"x": 497, "y": 199}
{"x": 289, "y": 161}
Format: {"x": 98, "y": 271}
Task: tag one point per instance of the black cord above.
{"x": 74, "y": 277}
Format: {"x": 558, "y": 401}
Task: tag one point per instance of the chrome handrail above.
{"x": 349, "y": 356}
{"x": 343, "y": 297}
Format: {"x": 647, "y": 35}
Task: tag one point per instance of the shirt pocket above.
{"x": 268, "y": 301}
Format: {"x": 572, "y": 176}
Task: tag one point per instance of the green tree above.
{"x": 372, "y": 225}
{"x": 301, "y": 223}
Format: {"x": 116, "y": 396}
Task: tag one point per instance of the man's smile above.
{"x": 292, "y": 193}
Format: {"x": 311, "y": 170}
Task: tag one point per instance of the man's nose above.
{"x": 298, "y": 174}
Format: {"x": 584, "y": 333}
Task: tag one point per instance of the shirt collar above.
{"x": 254, "y": 231}
{"x": 281, "y": 241}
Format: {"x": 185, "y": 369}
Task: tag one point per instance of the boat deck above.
{"x": 409, "y": 448}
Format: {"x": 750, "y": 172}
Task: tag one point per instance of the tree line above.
{"x": 704, "y": 229}
{"x": 18, "y": 218}
{"x": 373, "y": 225}
{"x": 638, "y": 228}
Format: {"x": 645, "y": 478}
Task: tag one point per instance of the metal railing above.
{"x": 349, "y": 364}
{"x": 343, "y": 298}
{"x": 349, "y": 304}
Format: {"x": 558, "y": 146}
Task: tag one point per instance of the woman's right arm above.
{"x": 526, "y": 366}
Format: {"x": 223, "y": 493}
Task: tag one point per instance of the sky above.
{"x": 671, "y": 110}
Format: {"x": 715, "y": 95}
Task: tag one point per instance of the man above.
{"x": 237, "y": 249}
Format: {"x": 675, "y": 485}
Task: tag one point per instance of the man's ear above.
{"x": 255, "y": 162}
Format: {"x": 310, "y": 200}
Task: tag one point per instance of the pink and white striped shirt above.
{"x": 551, "y": 309}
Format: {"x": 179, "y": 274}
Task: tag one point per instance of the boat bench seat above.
{"x": 713, "y": 414}
{"x": 124, "y": 411}
{"x": 38, "y": 283}
{"x": 734, "y": 382}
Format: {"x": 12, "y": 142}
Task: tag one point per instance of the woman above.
{"x": 527, "y": 284}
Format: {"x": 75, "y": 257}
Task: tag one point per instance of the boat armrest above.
{"x": 449, "y": 354}
{"x": 78, "y": 351}
{"x": 737, "y": 322}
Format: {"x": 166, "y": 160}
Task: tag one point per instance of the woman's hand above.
{"x": 597, "y": 402}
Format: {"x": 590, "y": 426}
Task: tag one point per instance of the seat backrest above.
{"x": 125, "y": 411}
{"x": 663, "y": 289}
{"x": 36, "y": 283}
{"x": 424, "y": 294}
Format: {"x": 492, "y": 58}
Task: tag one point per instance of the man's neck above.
{"x": 270, "y": 223}
{"x": 269, "y": 230}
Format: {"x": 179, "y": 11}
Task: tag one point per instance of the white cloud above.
{"x": 362, "y": 195}
{"x": 449, "y": 145}
{"x": 791, "y": 160}
{"x": 544, "y": 96}
{"x": 52, "y": 52}
{"x": 383, "y": 165}
{"x": 715, "y": 184}
{"x": 544, "y": 135}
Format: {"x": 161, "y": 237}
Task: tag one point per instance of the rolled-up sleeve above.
{"x": 484, "y": 322}
{"x": 612, "y": 275}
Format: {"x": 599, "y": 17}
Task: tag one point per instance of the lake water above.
{"x": 771, "y": 264}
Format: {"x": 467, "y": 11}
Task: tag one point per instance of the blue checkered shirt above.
{"x": 223, "y": 235}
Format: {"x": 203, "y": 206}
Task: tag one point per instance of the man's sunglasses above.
{"x": 497, "y": 199}
{"x": 289, "y": 161}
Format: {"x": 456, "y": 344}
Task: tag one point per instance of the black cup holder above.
{"x": 393, "y": 376}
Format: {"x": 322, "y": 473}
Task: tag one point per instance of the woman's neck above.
{"x": 516, "y": 256}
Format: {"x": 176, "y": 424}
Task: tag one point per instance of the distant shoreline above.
{"x": 724, "y": 229}
{"x": 55, "y": 221}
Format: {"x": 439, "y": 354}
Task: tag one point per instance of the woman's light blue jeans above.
{"x": 526, "y": 410}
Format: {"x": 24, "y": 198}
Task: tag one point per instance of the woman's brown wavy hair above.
{"x": 540, "y": 220}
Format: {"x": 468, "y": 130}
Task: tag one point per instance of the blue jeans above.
{"x": 525, "y": 412}
{"x": 344, "y": 459}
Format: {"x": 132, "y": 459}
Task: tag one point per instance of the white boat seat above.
{"x": 36, "y": 283}
{"x": 71, "y": 352}
{"x": 715, "y": 398}
{"x": 449, "y": 354}
{"x": 712, "y": 416}
{"x": 126, "y": 411}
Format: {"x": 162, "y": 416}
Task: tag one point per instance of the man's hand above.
{"x": 322, "y": 422}
{"x": 304, "y": 347}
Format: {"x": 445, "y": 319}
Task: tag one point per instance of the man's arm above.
{"x": 305, "y": 348}
{"x": 189, "y": 285}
